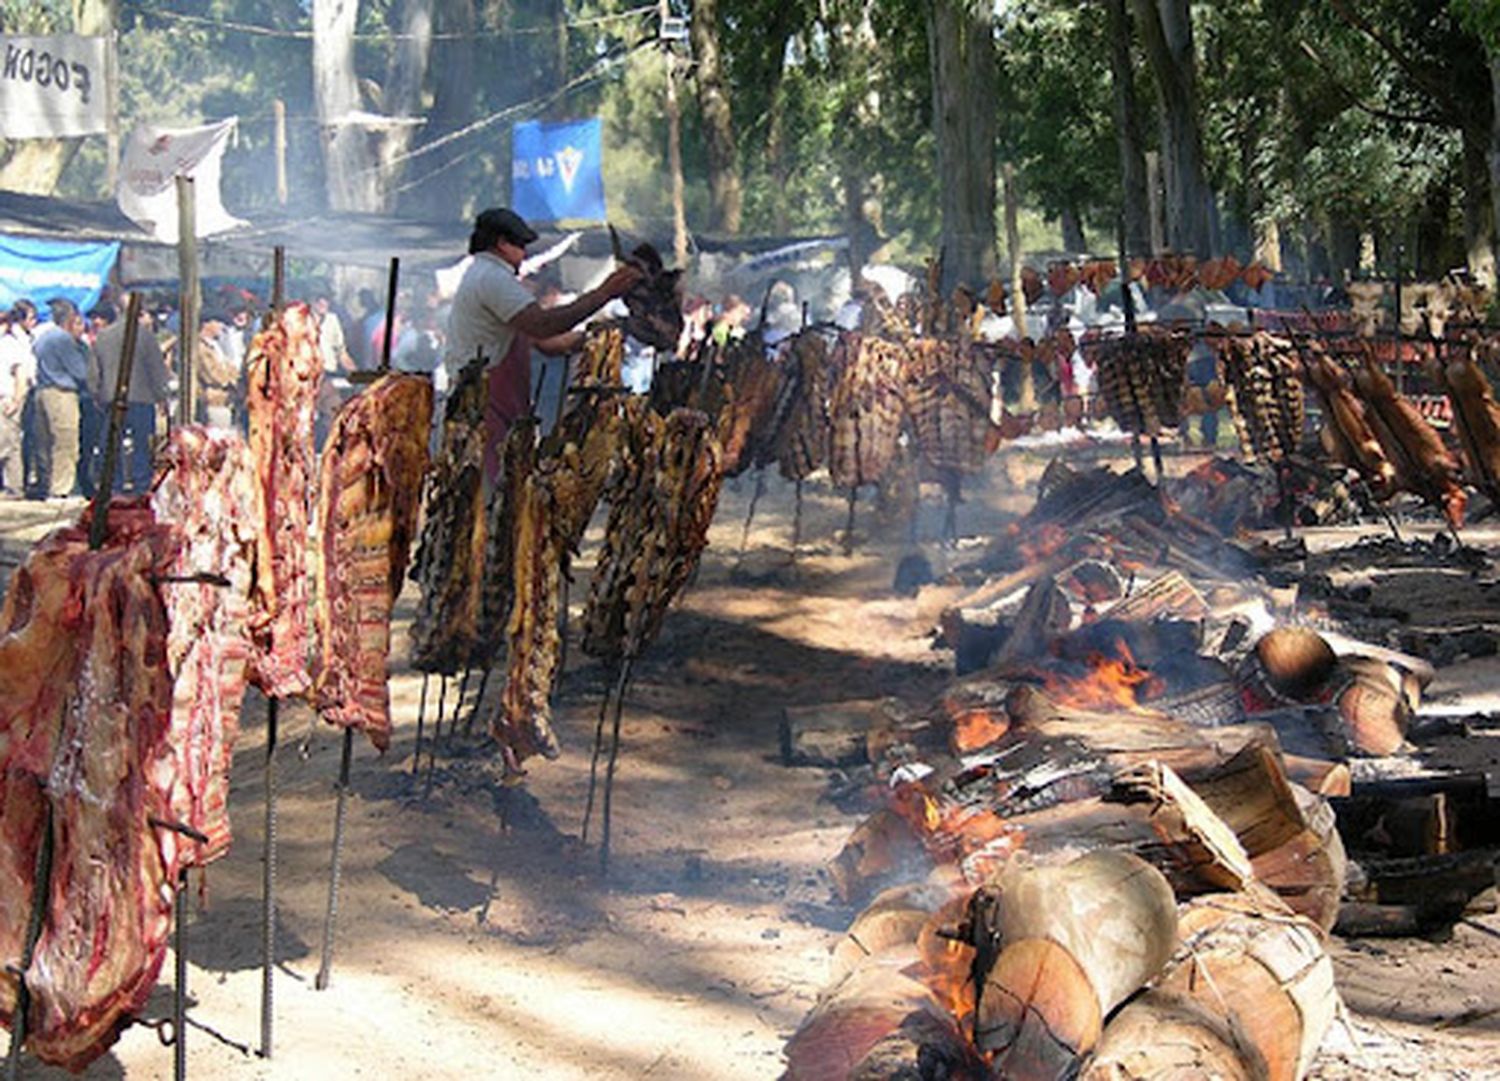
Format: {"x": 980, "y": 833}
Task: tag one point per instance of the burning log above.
{"x": 893, "y": 920}
{"x": 1074, "y": 942}
{"x": 1148, "y": 811}
{"x": 878, "y": 1022}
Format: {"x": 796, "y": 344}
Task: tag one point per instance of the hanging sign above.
{"x": 557, "y": 171}
{"x": 52, "y": 87}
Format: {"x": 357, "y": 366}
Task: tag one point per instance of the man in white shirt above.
{"x": 17, "y": 372}
{"x": 496, "y": 318}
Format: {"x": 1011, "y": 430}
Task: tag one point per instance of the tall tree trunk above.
{"x": 725, "y": 197}
{"x": 1072, "y": 231}
{"x": 1135, "y": 209}
{"x": 403, "y": 89}
{"x": 444, "y": 191}
{"x": 961, "y": 49}
{"x": 1167, "y": 32}
{"x": 35, "y": 166}
{"x": 1479, "y": 206}
{"x": 349, "y": 155}
{"x": 777, "y": 163}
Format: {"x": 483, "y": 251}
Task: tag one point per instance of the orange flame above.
{"x": 1110, "y": 686}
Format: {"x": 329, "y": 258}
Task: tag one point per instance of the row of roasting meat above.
{"x": 494, "y": 567}
{"x": 126, "y": 666}
{"x": 849, "y": 401}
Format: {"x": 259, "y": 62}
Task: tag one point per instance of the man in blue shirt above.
{"x": 62, "y": 369}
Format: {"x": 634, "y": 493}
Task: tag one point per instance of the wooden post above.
{"x": 112, "y": 106}
{"x": 674, "y": 143}
{"x": 1017, "y": 294}
{"x": 279, "y": 110}
{"x": 1153, "y": 202}
{"x": 189, "y": 298}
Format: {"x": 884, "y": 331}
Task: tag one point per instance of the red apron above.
{"x": 507, "y": 399}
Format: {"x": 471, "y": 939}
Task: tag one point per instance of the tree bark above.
{"x": 725, "y": 196}
{"x": 348, "y": 152}
{"x": 1135, "y": 205}
{"x": 1494, "y": 148}
{"x": 1479, "y": 206}
{"x": 962, "y": 56}
{"x": 1167, "y": 32}
{"x": 452, "y": 107}
{"x": 404, "y": 83}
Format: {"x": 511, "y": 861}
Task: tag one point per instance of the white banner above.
{"x": 154, "y": 158}
{"x": 51, "y": 87}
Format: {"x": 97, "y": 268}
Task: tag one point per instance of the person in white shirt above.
{"x": 17, "y": 373}
{"x": 497, "y": 319}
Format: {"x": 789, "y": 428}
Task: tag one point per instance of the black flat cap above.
{"x": 502, "y": 223}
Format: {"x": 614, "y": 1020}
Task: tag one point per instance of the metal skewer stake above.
{"x": 484, "y": 681}
{"x": 273, "y": 716}
{"x": 458, "y": 707}
{"x": 614, "y": 754}
{"x": 179, "y": 992}
{"x": 268, "y": 886}
{"x": 797, "y": 520}
{"x": 437, "y": 731}
{"x": 330, "y": 918}
{"x": 416, "y": 757}
{"x": 760, "y": 490}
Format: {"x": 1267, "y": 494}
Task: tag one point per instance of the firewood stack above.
{"x": 1264, "y": 395}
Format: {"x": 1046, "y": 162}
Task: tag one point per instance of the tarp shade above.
{"x": 41, "y": 270}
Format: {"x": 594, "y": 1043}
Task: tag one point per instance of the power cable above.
{"x": 275, "y": 32}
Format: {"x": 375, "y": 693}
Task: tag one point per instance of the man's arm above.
{"x": 539, "y": 323}
{"x": 560, "y": 345}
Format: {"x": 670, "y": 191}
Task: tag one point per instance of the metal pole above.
{"x": 330, "y": 918}
{"x": 390, "y": 314}
{"x": 416, "y": 758}
{"x": 188, "y": 298}
{"x": 179, "y": 992}
{"x": 99, "y": 526}
{"x": 40, "y": 890}
{"x": 614, "y": 754}
{"x": 268, "y": 887}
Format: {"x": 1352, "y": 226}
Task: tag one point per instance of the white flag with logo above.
{"x": 155, "y": 157}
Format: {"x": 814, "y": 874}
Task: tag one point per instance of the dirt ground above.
{"x": 476, "y": 937}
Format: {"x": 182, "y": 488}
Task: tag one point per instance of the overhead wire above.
{"x": 393, "y": 35}
{"x": 534, "y": 105}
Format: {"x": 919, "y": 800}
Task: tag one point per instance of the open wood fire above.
{"x": 1115, "y": 847}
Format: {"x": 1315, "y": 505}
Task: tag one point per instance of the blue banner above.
{"x": 41, "y": 270}
{"x": 556, "y": 171}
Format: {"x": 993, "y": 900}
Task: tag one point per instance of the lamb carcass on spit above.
{"x": 369, "y": 494}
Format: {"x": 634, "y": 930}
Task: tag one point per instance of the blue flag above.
{"x": 41, "y": 270}
{"x": 556, "y": 171}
